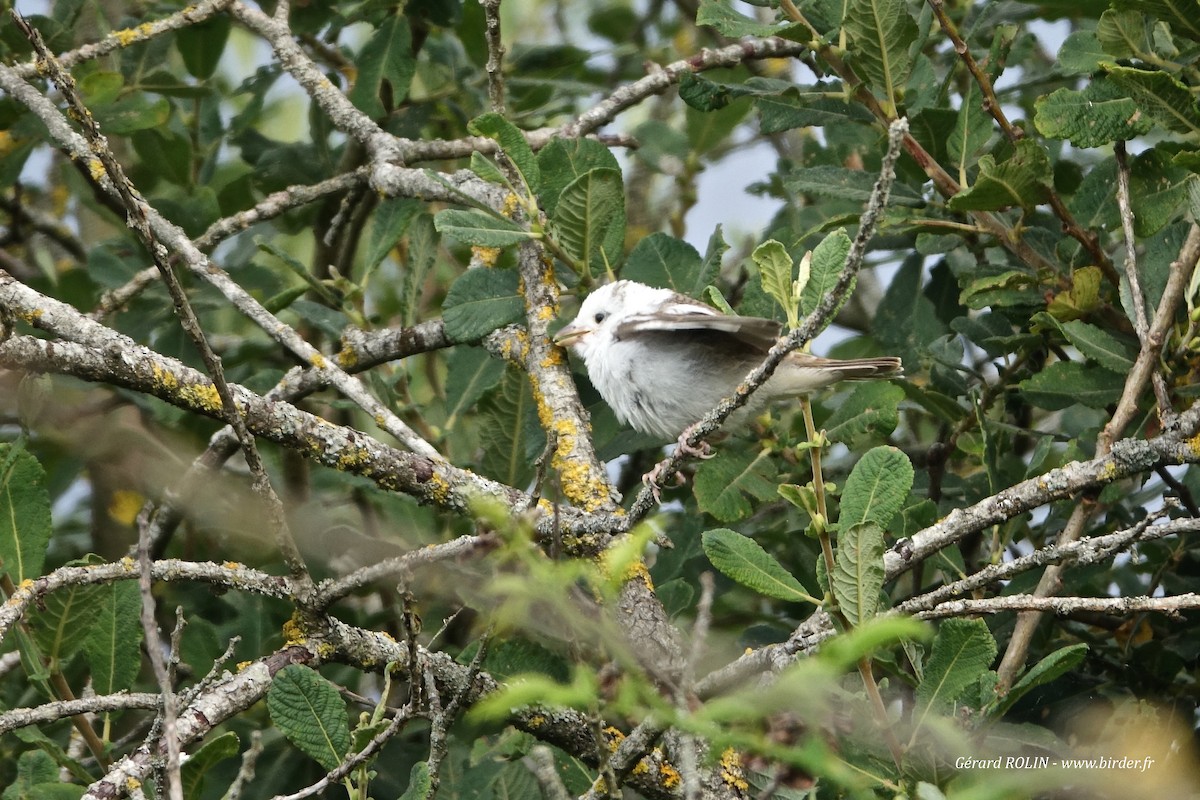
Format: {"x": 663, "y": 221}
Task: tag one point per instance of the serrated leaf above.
{"x": 782, "y": 106}
{"x": 385, "y": 65}
{"x": 1156, "y": 93}
{"x": 419, "y": 782}
{"x": 721, "y": 16}
{"x": 479, "y": 302}
{"x": 479, "y": 228}
{"x": 63, "y": 624}
{"x": 202, "y": 760}
{"x": 743, "y": 560}
{"x": 389, "y": 223}
{"x": 972, "y": 131}
{"x": 562, "y": 161}
{"x": 1099, "y": 345}
{"x": 1022, "y": 180}
{"x": 1081, "y": 53}
{"x": 470, "y": 373}
{"x": 1158, "y": 191}
{"x": 1123, "y": 34}
{"x": 1098, "y": 115}
{"x": 423, "y": 241}
{"x": 114, "y": 645}
{"x": 828, "y": 261}
{"x": 308, "y": 710}
{"x": 24, "y": 514}
{"x": 858, "y": 571}
{"x": 883, "y": 32}
{"x": 775, "y": 272}
{"x": 1058, "y": 663}
{"x": 871, "y": 408}
{"x": 662, "y": 260}
{"x": 703, "y": 94}
{"x": 589, "y": 209}
{"x": 1065, "y": 383}
{"x": 962, "y": 651}
{"x": 510, "y": 430}
{"x": 1180, "y": 14}
{"x": 512, "y": 143}
{"x": 723, "y": 482}
{"x": 843, "y": 183}
{"x": 876, "y": 488}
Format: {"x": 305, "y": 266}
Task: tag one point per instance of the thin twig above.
{"x": 495, "y": 59}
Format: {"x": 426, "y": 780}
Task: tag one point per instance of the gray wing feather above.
{"x": 754, "y": 331}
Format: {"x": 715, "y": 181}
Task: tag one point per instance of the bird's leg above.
{"x": 701, "y": 450}
{"x": 655, "y": 477}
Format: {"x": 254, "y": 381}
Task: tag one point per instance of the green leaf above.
{"x": 132, "y": 112}
{"x": 662, "y": 260}
{"x": 743, "y": 560}
{"x": 1180, "y": 14}
{"x": 1098, "y": 115}
{"x": 589, "y": 209}
{"x": 1099, "y": 345}
{"x": 842, "y": 183}
{"x": 538, "y": 691}
{"x": 1081, "y": 53}
{"x": 1082, "y": 298}
{"x": 165, "y": 153}
{"x": 308, "y": 710}
{"x": 419, "y": 782}
{"x": 719, "y": 15}
{"x": 517, "y": 655}
{"x": 423, "y": 243}
{"x": 1058, "y": 663}
{"x": 783, "y": 106}
{"x": 24, "y": 513}
{"x": 872, "y": 407}
{"x": 201, "y": 45}
{"x": 470, "y": 373}
{"x": 480, "y": 301}
{"x": 479, "y": 228}
{"x": 1124, "y": 34}
{"x": 704, "y": 95}
{"x": 1156, "y": 93}
{"x": 828, "y": 261}
{"x": 1065, "y": 383}
{"x": 723, "y": 482}
{"x": 962, "y": 651}
{"x": 510, "y": 436}
{"x": 882, "y": 31}
{"x": 972, "y": 132}
{"x": 858, "y": 571}
{"x": 385, "y": 66}
{"x": 390, "y": 221}
{"x": 775, "y": 271}
{"x": 64, "y": 623}
{"x": 562, "y": 161}
{"x": 512, "y": 143}
{"x": 1022, "y": 180}
{"x": 876, "y": 488}
{"x": 1158, "y": 191}
{"x": 202, "y": 760}
{"x": 113, "y": 646}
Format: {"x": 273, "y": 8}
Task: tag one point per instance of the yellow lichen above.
{"x": 641, "y": 768}
{"x": 637, "y": 571}
{"x": 1108, "y": 472}
{"x": 511, "y": 204}
{"x": 125, "y": 37}
{"x": 231, "y": 565}
{"x": 439, "y": 489}
{"x": 241, "y": 665}
{"x": 347, "y": 358}
{"x": 293, "y": 633}
{"x": 132, "y": 784}
{"x": 352, "y": 457}
{"x": 1194, "y": 445}
{"x": 671, "y": 777}
{"x": 536, "y": 721}
{"x": 487, "y": 256}
{"x": 96, "y": 169}
{"x": 731, "y": 769}
{"x": 201, "y": 395}
{"x": 318, "y": 361}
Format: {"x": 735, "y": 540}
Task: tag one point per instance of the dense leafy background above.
{"x": 998, "y": 273}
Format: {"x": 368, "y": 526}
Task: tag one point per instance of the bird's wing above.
{"x": 756, "y": 332}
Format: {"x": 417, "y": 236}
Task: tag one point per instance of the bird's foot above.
{"x": 702, "y": 450}
{"x": 655, "y": 478}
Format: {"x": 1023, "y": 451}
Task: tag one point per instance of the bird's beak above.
{"x": 571, "y": 334}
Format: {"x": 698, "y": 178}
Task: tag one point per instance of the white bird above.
{"x": 662, "y": 360}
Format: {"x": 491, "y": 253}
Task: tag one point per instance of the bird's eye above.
{"x": 600, "y": 315}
